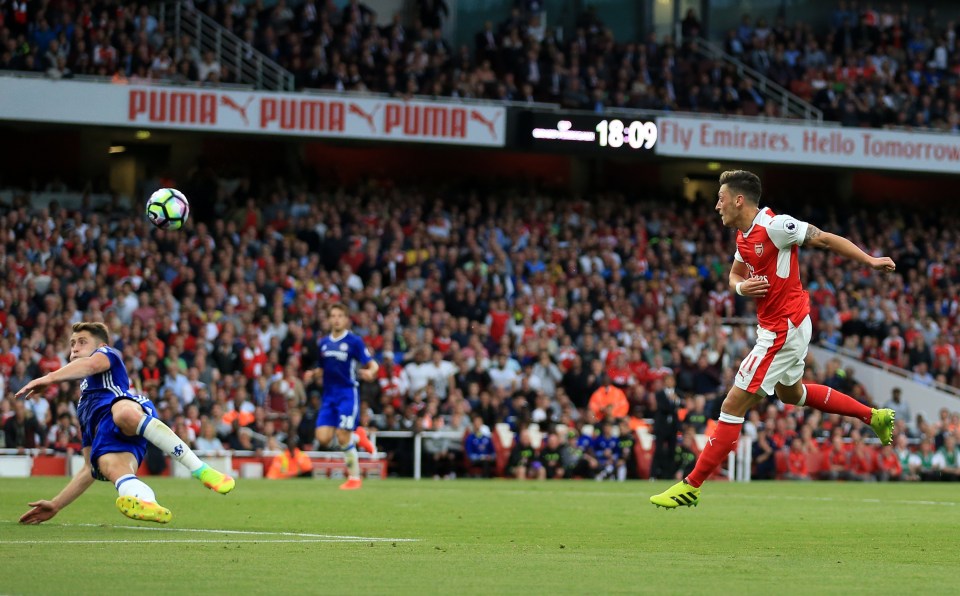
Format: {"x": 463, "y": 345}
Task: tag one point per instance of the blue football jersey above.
{"x": 109, "y": 384}
{"x": 479, "y": 445}
{"x": 339, "y": 358}
{"x": 601, "y": 444}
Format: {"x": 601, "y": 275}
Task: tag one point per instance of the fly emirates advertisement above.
{"x": 252, "y": 112}
{"x": 746, "y": 140}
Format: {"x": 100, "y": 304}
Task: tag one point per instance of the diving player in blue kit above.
{"x": 115, "y": 425}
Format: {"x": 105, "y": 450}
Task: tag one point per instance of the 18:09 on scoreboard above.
{"x": 582, "y": 132}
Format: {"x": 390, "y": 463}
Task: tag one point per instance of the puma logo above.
{"x": 227, "y": 101}
{"x": 357, "y": 110}
{"x": 475, "y": 115}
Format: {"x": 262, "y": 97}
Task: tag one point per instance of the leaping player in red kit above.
{"x": 765, "y": 268}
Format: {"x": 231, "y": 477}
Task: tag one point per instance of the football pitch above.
{"x": 488, "y": 537}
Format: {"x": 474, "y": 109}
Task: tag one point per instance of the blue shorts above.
{"x": 99, "y": 432}
{"x": 340, "y": 409}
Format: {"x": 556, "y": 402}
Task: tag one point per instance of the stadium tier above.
{"x": 858, "y": 66}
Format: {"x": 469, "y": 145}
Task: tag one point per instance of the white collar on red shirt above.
{"x": 761, "y": 213}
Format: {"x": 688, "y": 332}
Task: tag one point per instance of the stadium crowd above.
{"x": 865, "y": 67}
{"x": 570, "y": 322}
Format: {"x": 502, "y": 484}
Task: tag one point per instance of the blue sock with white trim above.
{"x": 131, "y": 486}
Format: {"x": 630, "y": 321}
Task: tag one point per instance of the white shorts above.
{"x": 778, "y": 357}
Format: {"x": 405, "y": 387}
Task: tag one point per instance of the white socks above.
{"x": 131, "y": 486}
{"x": 353, "y": 463}
{"x": 166, "y": 440}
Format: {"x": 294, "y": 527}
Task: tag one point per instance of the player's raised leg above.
{"x": 132, "y": 420}
{"x": 363, "y": 441}
{"x": 828, "y": 399}
{"x": 136, "y": 499}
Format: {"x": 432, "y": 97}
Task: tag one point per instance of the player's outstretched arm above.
{"x": 78, "y": 369}
{"x": 369, "y": 371}
{"x": 817, "y": 238}
{"x": 43, "y": 510}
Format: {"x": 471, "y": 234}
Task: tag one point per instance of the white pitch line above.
{"x": 199, "y": 541}
{"x": 839, "y": 499}
{"x": 629, "y": 495}
{"x": 320, "y": 537}
{"x": 244, "y": 532}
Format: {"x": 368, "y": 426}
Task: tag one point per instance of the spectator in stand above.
{"x": 38, "y": 407}
{"x": 887, "y": 465}
{"x": 685, "y": 454}
{"x": 764, "y": 457}
{"x": 606, "y": 450}
{"x": 21, "y": 430}
{"x": 64, "y": 436}
{"x": 946, "y": 461}
{"x": 861, "y": 461}
{"x": 897, "y": 404}
{"x": 796, "y": 462}
{"x": 524, "y": 462}
{"x": 906, "y": 458}
{"x": 836, "y": 461}
{"x": 479, "y": 447}
{"x": 921, "y": 463}
{"x": 551, "y": 456}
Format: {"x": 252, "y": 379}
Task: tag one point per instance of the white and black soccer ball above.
{"x": 168, "y": 209}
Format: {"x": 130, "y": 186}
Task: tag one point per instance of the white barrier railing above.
{"x": 740, "y": 460}
{"x": 18, "y": 462}
{"x": 418, "y": 442}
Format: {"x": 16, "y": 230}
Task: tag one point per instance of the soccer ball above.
{"x": 168, "y": 209}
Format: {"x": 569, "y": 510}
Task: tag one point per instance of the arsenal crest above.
{"x": 758, "y": 248}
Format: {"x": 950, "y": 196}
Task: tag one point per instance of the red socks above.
{"x": 827, "y": 399}
{"x": 723, "y": 441}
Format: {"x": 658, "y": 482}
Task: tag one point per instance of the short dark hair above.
{"x": 744, "y": 183}
{"x": 97, "y": 330}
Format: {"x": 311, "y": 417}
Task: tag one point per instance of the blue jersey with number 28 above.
{"x": 339, "y": 358}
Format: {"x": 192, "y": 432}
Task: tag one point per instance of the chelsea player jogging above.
{"x": 340, "y": 354}
{"x": 115, "y": 425}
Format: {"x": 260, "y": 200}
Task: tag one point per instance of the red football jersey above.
{"x": 769, "y": 249}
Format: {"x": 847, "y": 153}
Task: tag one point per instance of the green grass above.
{"x": 491, "y": 537}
